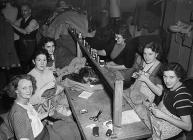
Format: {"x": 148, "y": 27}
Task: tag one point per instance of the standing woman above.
{"x": 173, "y": 114}
{"x": 26, "y": 123}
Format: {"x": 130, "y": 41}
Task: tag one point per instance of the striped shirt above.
{"x": 179, "y": 102}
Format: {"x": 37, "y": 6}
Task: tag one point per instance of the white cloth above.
{"x": 44, "y": 81}
{"x": 36, "y": 123}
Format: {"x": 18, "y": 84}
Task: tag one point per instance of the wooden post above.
{"x": 117, "y": 103}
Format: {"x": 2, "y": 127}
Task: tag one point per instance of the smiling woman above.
{"x": 147, "y": 84}
{"x": 26, "y": 123}
{"x": 173, "y": 114}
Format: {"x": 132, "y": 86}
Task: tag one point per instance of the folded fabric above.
{"x": 49, "y": 93}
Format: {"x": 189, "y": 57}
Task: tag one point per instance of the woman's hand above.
{"x": 59, "y": 89}
{"x": 157, "y": 112}
{"x": 143, "y": 77}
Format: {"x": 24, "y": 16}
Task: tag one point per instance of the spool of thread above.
{"x": 109, "y": 133}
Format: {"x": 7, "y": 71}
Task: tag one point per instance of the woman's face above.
{"x": 24, "y": 89}
{"x": 149, "y": 55}
{"x": 62, "y": 4}
{"x": 50, "y": 47}
{"x": 40, "y": 62}
{"x": 119, "y": 38}
{"x": 170, "y": 79}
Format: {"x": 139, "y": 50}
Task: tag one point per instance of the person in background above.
{"x": 49, "y": 45}
{"x": 27, "y": 30}
{"x": 61, "y": 7}
{"x": 10, "y": 12}
{"x": 45, "y": 80}
{"x": 174, "y": 112}
{"x": 26, "y": 123}
{"x": 103, "y": 39}
{"x": 147, "y": 84}
{"x": 9, "y": 60}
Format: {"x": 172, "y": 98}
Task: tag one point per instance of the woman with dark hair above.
{"x": 26, "y": 123}
{"x": 49, "y": 45}
{"x": 47, "y": 87}
{"x": 124, "y": 50}
{"x": 147, "y": 84}
{"x": 173, "y": 114}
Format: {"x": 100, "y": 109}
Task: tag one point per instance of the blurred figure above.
{"x": 8, "y": 55}
{"x": 10, "y": 12}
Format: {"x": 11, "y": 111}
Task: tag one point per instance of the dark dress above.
{"x": 127, "y": 55}
{"x": 8, "y": 55}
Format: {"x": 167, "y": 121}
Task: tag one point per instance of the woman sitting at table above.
{"x": 26, "y": 123}
{"x": 147, "y": 83}
{"x": 49, "y": 45}
{"x": 47, "y": 86}
{"x": 123, "y": 52}
{"x": 174, "y": 112}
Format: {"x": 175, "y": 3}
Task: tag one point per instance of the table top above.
{"x": 100, "y": 100}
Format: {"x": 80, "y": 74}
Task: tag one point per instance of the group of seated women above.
{"x": 139, "y": 59}
{"x": 174, "y": 111}
{"x": 39, "y": 97}
{"x": 168, "y": 118}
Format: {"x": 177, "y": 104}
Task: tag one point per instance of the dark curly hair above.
{"x": 44, "y": 41}
{"x": 177, "y": 68}
{"x": 40, "y": 51}
{"x": 155, "y": 47}
{"x": 12, "y": 86}
{"x": 124, "y": 32}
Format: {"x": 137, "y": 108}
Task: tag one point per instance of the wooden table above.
{"x": 101, "y": 100}
{"x": 105, "y": 100}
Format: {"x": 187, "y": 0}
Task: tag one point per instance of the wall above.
{"x": 180, "y": 10}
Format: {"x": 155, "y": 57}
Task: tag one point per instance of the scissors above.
{"x": 95, "y": 118}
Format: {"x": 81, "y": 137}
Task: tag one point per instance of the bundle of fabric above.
{"x": 79, "y": 77}
{"x": 81, "y": 86}
{"x": 75, "y": 65}
{"x": 60, "y": 24}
